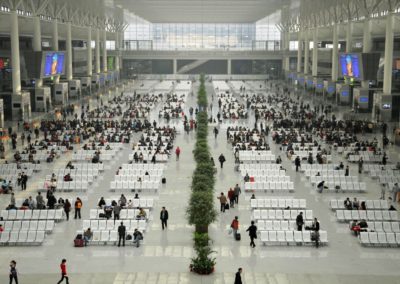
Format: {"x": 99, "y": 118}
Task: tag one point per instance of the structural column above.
{"x": 117, "y": 50}
{"x": 55, "y": 45}
{"x": 314, "y": 69}
{"x": 89, "y": 53}
{"x": 69, "y": 52}
{"x": 306, "y": 53}
{"x": 335, "y": 53}
{"x": 387, "y": 68}
{"x": 104, "y": 51}
{"x": 98, "y": 51}
{"x": 229, "y": 67}
{"x": 37, "y": 43}
{"x": 16, "y": 71}
{"x": 299, "y": 52}
{"x": 286, "y": 58}
{"x": 175, "y": 66}
{"x": 349, "y": 36}
{"x": 367, "y": 43}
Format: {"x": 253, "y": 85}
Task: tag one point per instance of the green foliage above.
{"x": 201, "y": 210}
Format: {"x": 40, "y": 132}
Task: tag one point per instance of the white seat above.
{"x": 364, "y": 239}
{"x": 281, "y": 236}
{"x": 272, "y": 237}
{"x": 298, "y": 237}
{"x": 306, "y": 236}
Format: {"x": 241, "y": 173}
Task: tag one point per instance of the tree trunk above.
{"x": 201, "y": 229}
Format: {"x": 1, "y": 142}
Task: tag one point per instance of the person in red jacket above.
{"x": 177, "y": 152}
{"x": 235, "y": 226}
{"x": 231, "y": 196}
{"x": 63, "y": 267}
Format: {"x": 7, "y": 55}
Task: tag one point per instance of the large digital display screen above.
{"x": 350, "y": 65}
{"x": 53, "y": 64}
{"x": 363, "y": 100}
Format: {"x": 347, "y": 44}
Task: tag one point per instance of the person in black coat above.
{"x": 238, "y": 277}
{"x": 252, "y": 233}
{"x": 121, "y": 234}
{"x": 222, "y": 160}
{"x": 164, "y": 218}
{"x": 300, "y": 221}
{"x": 297, "y": 163}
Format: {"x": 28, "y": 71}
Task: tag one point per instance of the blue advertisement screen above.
{"x": 350, "y": 64}
{"x": 331, "y": 89}
{"x": 345, "y": 93}
{"x": 363, "y": 99}
{"x": 53, "y": 64}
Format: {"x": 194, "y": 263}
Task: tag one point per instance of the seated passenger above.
{"x": 137, "y": 237}
{"x": 347, "y": 204}
{"x": 142, "y": 214}
{"x": 101, "y": 203}
{"x": 87, "y": 236}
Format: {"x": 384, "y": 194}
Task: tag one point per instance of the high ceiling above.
{"x": 200, "y": 11}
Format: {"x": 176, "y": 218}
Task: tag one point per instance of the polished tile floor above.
{"x": 165, "y": 255}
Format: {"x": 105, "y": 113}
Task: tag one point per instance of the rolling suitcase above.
{"x": 238, "y": 237}
{"x": 163, "y": 180}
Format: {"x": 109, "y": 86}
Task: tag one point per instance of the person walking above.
{"x": 164, "y": 217}
{"x": 297, "y": 163}
{"x": 222, "y": 201}
{"x": 78, "y": 207}
{"x": 396, "y": 190}
{"x": 360, "y": 165}
{"x": 252, "y": 233}
{"x": 177, "y": 152}
{"x": 215, "y": 132}
{"x": 235, "y": 226}
{"x": 63, "y": 267}
{"x": 231, "y": 197}
{"x": 237, "y": 191}
{"x": 315, "y": 227}
{"x": 121, "y": 234}
{"x": 221, "y": 160}
{"x": 238, "y": 277}
{"x": 299, "y": 221}
{"x": 67, "y": 208}
{"x": 13, "y": 272}
{"x": 347, "y": 171}
{"x": 24, "y": 180}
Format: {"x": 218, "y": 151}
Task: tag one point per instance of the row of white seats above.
{"x": 147, "y": 157}
{"x": 278, "y": 203}
{"x": 110, "y": 225}
{"x": 15, "y": 172}
{"x": 314, "y": 172}
{"x": 279, "y": 225}
{"x": 124, "y": 214}
{"x": 22, "y": 237}
{"x": 148, "y": 178}
{"x": 318, "y": 167}
{"x": 88, "y": 166}
{"x": 43, "y": 225}
{"x": 142, "y": 202}
{"x": 334, "y": 179}
{"x": 277, "y": 214}
{"x": 142, "y": 166}
{"x": 387, "y": 227}
{"x": 271, "y": 178}
{"x": 291, "y": 237}
{"x": 379, "y": 239}
{"x": 106, "y": 237}
{"x": 22, "y": 166}
{"x": 250, "y": 167}
{"x": 369, "y": 204}
{"x": 45, "y": 214}
{"x": 368, "y": 215}
{"x": 366, "y": 158}
{"x": 389, "y": 179}
{"x": 377, "y": 168}
{"x": 384, "y": 173}
{"x": 89, "y": 157}
{"x": 134, "y": 185}
{"x": 255, "y": 157}
{"x": 140, "y": 172}
{"x": 263, "y": 172}
{"x": 70, "y": 185}
{"x": 77, "y": 172}
{"x": 269, "y": 186}
{"x": 75, "y": 177}
{"x": 346, "y": 186}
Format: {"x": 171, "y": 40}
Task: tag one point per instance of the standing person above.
{"x": 177, "y": 152}
{"x": 231, "y": 197}
{"x": 252, "y": 233}
{"x": 63, "y": 267}
{"x": 24, "y": 180}
{"x": 347, "y": 171}
{"x": 238, "y": 191}
{"x": 235, "y": 226}
{"x": 221, "y": 160}
{"x": 22, "y": 138}
{"x": 396, "y": 190}
{"x": 222, "y": 201}
{"x": 215, "y": 132}
{"x": 300, "y": 221}
{"x": 315, "y": 227}
{"x": 28, "y": 139}
{"x": 164, "y": 217}
{"x": 297, "y": 163}
{"x": 36, "y": 132}
{"x": 13, "y": 272}
{"x": 360, "y": 165}
{"x": 238, "y": 277}
{"x": 67, "y": 208}
{"x": 78, "y": 207}
{"x": 121, "y": 234}
{"x": 116, "y": 211}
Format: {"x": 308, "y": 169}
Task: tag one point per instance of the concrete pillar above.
{"x": 286, "y": 58}
{"x": 306, "y": 53}
{"x": 175, "y": 66}
{"x": 299, "y": 52}
{"x": 349, "y": 36}
{"x": 117, "y": 58}
{"x": 98, "y": 70}
{"x": 122, "y": 47}
{"x": 367, "y": 43}
{"x": 104, "y": 51}
{"x": 55, "y": 45}
{"x": 89, "y": 66}
{"x": 69, "y": 51}
{"x": 229, "y": 67}
{"x": 37, "y": 43}
{"x": 314, "y": 68}
{"x": 387, "y": 68}
{"x": 335, "y": 53}
{"x": 16, "y": 71}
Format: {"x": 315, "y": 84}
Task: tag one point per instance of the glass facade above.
{"x": 261, "y": 35}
